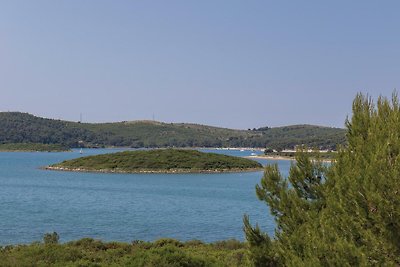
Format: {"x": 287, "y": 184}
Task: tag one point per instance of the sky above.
{"x": 235, "y": 64}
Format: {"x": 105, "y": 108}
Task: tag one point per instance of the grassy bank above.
{"x": 90, "y": 252}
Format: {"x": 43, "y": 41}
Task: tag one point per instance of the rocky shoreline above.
{"x": 144, "y": 171}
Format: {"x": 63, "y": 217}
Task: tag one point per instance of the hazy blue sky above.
{"x": 238, "y": 64}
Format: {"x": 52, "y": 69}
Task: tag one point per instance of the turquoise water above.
{"x": 123, "y": 207}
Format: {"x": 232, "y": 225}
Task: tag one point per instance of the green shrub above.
{"x": 167, "y": 241}
{"x": 51, "y": 238}
{"x": 230, "y": 244}
{"x": 194, "y": 243}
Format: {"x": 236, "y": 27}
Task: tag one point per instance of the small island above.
{"x": 32, "y": 147}
{"x": 158, "y": 161}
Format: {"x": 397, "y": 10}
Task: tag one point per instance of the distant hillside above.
{"x": 309, "y": 135}
{"x": 16, "y": 127}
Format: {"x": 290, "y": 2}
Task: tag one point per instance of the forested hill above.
{"x": 16, "y": 127}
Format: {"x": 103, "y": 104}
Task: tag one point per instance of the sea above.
{"x": 125, "y": 207}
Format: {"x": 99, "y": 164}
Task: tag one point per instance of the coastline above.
{"x": 281, "y": 158}
{"x": 34, "y": 151}
{"x": 144, "y": 171}
{"x": 271, "y": 157}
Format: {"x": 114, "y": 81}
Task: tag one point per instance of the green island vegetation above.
{"x": 16, "y": 127}
{"x": 90, "y": 252}
{"x": 32, "y": 147}
{"x": 343, "y": 214}
{"x": 159, "y": 160}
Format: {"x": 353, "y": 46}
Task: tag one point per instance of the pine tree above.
{"x": 344, "y": 214}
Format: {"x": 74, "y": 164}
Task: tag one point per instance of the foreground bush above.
{"x": 347, "y": 214}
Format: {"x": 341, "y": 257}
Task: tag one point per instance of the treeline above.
{"x": 16, "y": 127}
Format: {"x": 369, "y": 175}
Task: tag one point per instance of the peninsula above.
{"x": 32, "y": 147}
{"x": 159, "y": 161}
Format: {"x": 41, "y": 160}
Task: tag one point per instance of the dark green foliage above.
{"x": 268, "y": 151}
{"x": 345, "y": 214}
{"x": 261, "y": 250}
{"x": 33, "y": 147}
{"x": 51, "y": 238}
{"x": 228, "y": 244}
{"x": 18, "y": 127}
{"x": 167, "y": 241}
{"x": 160, "y": 160}
{"x": 90, "y": 252}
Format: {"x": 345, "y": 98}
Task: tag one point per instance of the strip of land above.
{"x": 32, "y": 147}
{"x": 324, "y": 158}
{"x": 271, "y": 157}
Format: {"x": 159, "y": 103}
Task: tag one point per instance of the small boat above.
{"x": 241, "y": 150}
{"x": 253, "y": 154}
{"x": 81, "y": 151}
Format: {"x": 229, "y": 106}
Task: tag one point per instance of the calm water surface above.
{"x": 124, "y": 207}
